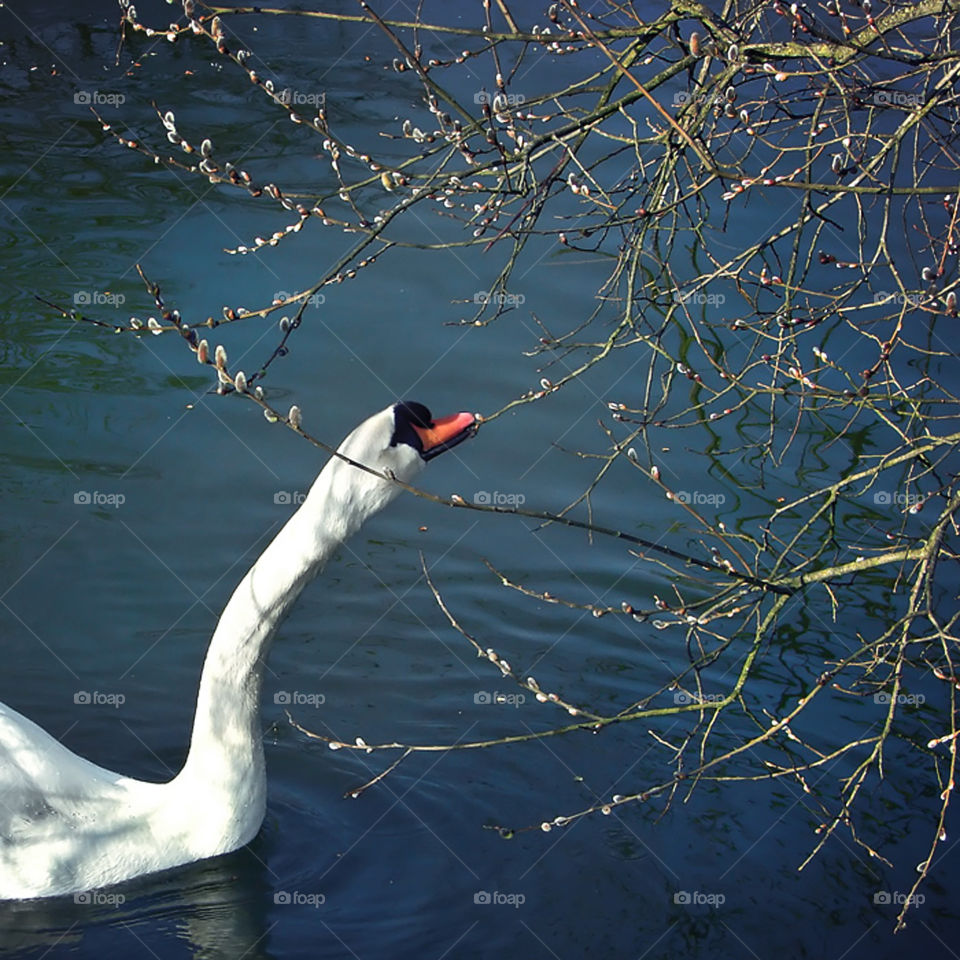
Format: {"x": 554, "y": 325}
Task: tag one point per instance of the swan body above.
{"x": 68, "y": 825}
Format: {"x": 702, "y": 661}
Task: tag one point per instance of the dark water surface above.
{"x": 120, "y": 600}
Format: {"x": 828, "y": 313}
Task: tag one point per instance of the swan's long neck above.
{"x": 225, "y": 762}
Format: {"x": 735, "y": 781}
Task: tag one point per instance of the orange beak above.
{"x": 445, "y": 432}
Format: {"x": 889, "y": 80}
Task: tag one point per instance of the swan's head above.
{"x": 402, "y": 438}
{"x": 397, "y": 442}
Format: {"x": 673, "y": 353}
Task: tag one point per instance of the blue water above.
{"x": 119, "y": 601}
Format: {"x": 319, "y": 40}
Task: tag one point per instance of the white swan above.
{"x": 67, "y": 825}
